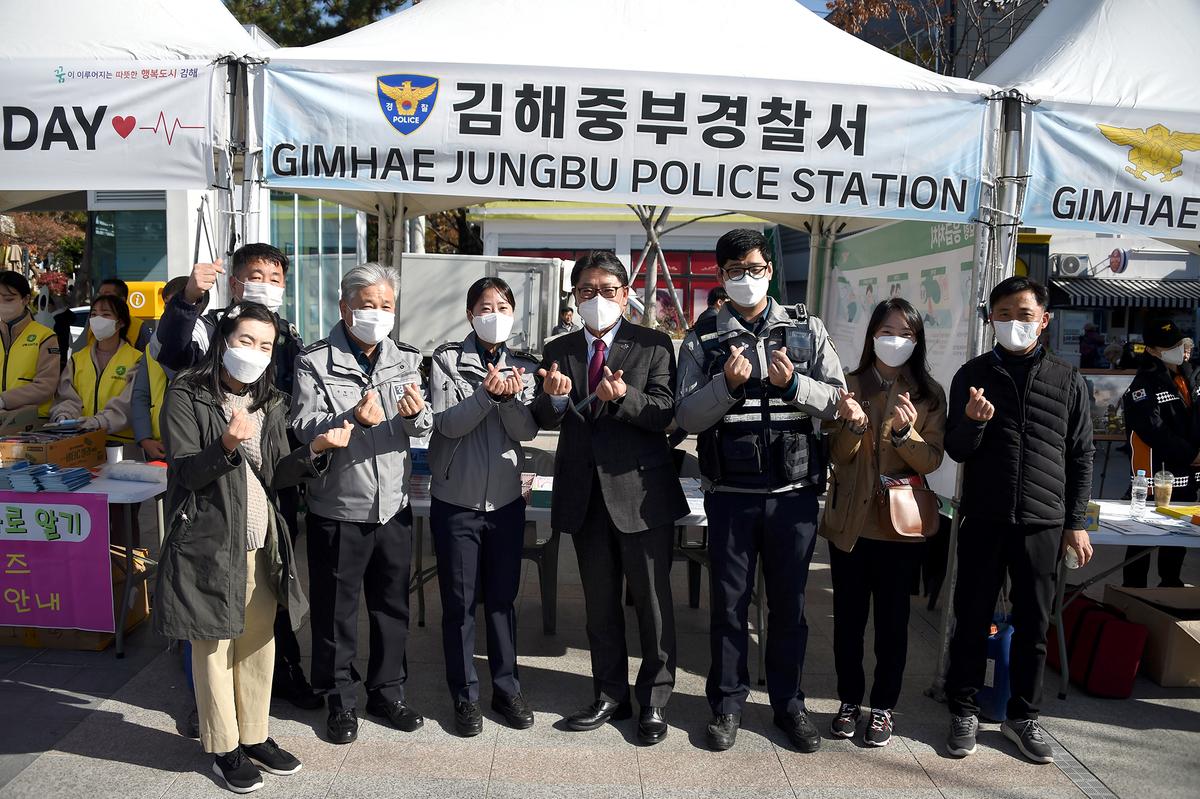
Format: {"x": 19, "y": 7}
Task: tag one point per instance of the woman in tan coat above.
{"x": 891, "y": 422}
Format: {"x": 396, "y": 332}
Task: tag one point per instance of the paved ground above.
{"x": 87, "y": 725}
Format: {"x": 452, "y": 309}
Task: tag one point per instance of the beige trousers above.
{"x": 233, "y": 677}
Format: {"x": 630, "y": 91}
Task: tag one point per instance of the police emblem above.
{"x": 406, "y": 100}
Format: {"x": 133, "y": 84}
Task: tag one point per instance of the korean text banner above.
{"x": 927, "y": 264}
{"x": 609, "y": 136}
{"x": 55, "y": 569}
{"x": 106, "y": 125}
{"x": 1114, "y": 169}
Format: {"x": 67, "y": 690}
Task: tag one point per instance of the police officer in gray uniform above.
{"x": 359, "y": 519}
{"x": 480, "y": 391}
{"x": 753, "y": 380}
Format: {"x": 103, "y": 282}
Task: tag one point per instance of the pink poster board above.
{"x": 54, "y": 563}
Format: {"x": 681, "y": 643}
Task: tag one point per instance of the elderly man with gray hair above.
{"x": 359, "y": 519}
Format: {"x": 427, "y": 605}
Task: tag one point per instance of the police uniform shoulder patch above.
{"x": 407, "y": 347}
{"x": 316, "y": 346}
{"x": 1138, "y": 394}
{"x": 448, "y": 346}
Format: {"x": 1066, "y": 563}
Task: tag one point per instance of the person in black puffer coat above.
{"x": 1162, "y": 406}
{"x": 1019, "y": 421}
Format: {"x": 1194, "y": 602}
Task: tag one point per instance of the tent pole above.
{"x": 381, "y": 244}
{"x": 650, "y": 293}
{"x": 652, "y": 232}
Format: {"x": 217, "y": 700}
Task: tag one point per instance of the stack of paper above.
{"x": 24, "y": 476}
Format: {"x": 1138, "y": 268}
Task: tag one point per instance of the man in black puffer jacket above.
{"x": 1019, "y": 420}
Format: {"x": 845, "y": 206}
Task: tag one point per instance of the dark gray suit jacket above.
{"x": 625, "y": 444}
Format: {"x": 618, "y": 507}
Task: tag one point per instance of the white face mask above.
{"x": 245, "y": 364}
{"x": 102, "y": 327}
{"x": 749, "y": 290}
{"x": 894, "y": 350}
{"x": 1016, "y": 336}
{"x": 1173, "y": 356}
{"x": 267, "y": 294}
{"x": 371, "y": 326}
{"x": 492, "y": 328}
{"x": 11, "y": 310}
{"x": 600, "y": 313}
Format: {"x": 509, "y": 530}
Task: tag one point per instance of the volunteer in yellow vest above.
{"x": 30, "y": 366}
{"x": 149, "y": 389}
{"x": 97, "y": 384}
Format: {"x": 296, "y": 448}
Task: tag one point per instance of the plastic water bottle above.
{"x": 1137, "y": 495}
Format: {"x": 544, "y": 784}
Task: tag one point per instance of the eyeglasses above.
{"x": 588, "y": 292}
{"x": 738, "y": 272}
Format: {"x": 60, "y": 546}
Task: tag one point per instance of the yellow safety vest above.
{"x": 158, "y": 391}
{"x": 21, "y": 360}
{"x": 97, "y": 393}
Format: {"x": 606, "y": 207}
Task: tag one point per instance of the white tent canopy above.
{"x": 114, "y": 94}
{"x": 326, "y": 94}
{"x": 1117, "y": 121}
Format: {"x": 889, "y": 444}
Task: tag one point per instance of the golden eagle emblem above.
{"x": 1154, "y": 150}
{"x": 407, "y": 96}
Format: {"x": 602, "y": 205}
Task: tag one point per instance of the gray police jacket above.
{"x": 475, "y": 452}
{"x": 368, "y": 480}
{"x": 701, "y": 401}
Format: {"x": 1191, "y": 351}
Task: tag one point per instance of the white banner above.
{"x": 928, "y": 265}
{"x": 618, "y": 137}
{"x": 1114, "y": 169}
{"x": 106, "y": 125}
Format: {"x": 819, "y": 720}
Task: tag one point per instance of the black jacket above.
{"x": 1158, "y": 414}
{"x": 179, "y": 350}
{"x": 201, "y": 593}
{"x": 626, "y": 445}
{"x": 1031, "y": 464}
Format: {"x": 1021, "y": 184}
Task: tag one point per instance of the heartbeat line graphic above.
{"x": 161, "y": 124}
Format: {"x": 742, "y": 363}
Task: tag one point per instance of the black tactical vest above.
{"x": 763, "y": 442}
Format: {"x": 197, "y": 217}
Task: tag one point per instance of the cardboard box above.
{"x": 542, "y": 491}
{"x": 83, "y": 449}
{"x": 88, "y": 640}
{"x": 1091, "y": 522}
{"x": 1172, "y": 615}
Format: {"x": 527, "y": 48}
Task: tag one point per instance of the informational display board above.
{"x": 106, "y": 125}
{"x": 927, "y": 264}
{"x": 623, "y": 137}
{"x": 55, "y": 569}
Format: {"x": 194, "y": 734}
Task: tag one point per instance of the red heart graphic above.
{"x": 123, "y": 126}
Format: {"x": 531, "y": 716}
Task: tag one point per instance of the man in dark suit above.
{"x": 609, "y": 388}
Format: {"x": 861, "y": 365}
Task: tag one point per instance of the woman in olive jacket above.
{"x": 224, "y": 565}
{"x": 891, "y": 422}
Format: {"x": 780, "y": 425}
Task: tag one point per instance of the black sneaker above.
{"x": 845, "y": 722}
{"x": 272, "y": 759}
{"x": 722, "y": 731}
{"x": 1027, "y": 735}
{"x": 800, "y": 730}
{"x": 963, "y": 730}
{"x": 468, "y": 721}
{"x": 239, "y": 774}
{"x": 879, "y": 732}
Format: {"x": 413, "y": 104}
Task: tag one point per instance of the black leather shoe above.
{"x": 598, "y": 713}
{"x": 515, "y": 709}
{"x": 342, "y": 727}
{"x": 191, "y": 727}
{"x": 722, "y": 731}
{"x": 800, "y": 731}
{"x": 402, "y": 717}
{"x": 290, "y": 684}
{"x": 468, "y": 721}
{"x": 652, "y": 725}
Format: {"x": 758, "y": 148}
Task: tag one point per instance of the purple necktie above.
{"x": 596, "y": 366}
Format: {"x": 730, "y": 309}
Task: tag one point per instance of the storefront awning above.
{"x": 1094, "y": 292}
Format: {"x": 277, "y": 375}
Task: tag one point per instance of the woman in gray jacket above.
{"x": 224, "y": 565}
{"x": 480, "y": 392}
